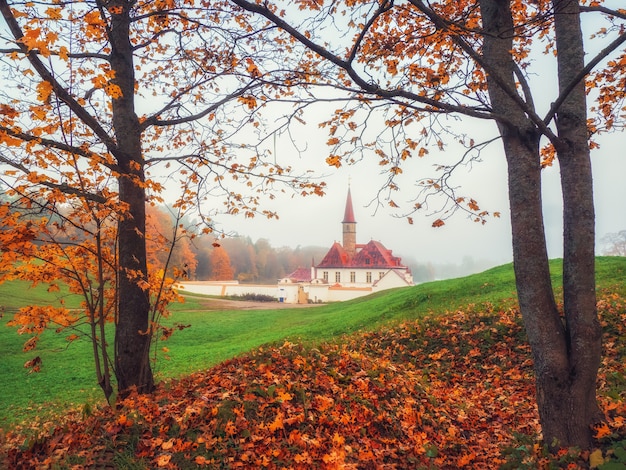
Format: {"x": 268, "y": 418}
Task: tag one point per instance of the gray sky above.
{"x": 317, "y": 221}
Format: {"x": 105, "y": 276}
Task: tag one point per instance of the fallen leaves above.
{"x": 447, "y": 391}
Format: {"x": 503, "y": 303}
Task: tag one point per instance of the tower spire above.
{"x": 349, "y": 227}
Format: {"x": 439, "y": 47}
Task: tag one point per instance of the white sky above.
{"x": 317, "y": 221}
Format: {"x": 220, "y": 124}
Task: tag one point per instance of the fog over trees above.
{"x": 260, "y": 262}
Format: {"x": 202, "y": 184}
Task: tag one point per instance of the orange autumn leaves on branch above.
{"x": 103, "y": 109}
{"x": 69, "y": 245}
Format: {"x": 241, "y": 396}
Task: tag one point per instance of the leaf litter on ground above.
{"x": 451, "y": 390}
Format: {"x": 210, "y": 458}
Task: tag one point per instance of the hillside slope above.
{"x": 446, "y": 389}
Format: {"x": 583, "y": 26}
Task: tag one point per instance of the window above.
{"x": 337, "y": 276}
{"x": 381, "y": 274}
{"x": 367, "y": 261}
{"x": 368, "y": 277}
{"x": 325, "y": 276}
{"x": 352, "y": 276}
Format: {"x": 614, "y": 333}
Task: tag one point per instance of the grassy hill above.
{"x": 438, "y": 375}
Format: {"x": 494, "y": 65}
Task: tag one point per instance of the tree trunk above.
{"x": 583, "y": 327}
{"x": 565, "y": 355}
{"x": 132, "y": 333}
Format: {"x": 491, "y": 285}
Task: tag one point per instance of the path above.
{"x": 212, "y": 303}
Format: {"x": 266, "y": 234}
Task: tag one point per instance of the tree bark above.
{"x": 579, "y": 296}
{"x": 566, "y": 354}
{"x": 132, "y": 333}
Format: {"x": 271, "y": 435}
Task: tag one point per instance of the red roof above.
{"x": 300, "y": 275}
{"x": 335, "y": 258}
{"x": 348, "y": 216}
{"x": 372, "y": 255}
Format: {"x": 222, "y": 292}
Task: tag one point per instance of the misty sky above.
{"x": 317, "y": 221}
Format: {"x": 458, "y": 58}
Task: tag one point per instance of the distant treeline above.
{"x": 260, "y": 262}
{"x": 252, "y": 262}
{"x": 205, "y": 256}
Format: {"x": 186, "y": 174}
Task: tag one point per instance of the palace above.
{"x": 348, "y": 270}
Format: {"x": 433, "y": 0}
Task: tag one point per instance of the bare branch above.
{"x": 602, "y": 9}
{"x": 58, "y": 89}
{"x": 155, "y": 121}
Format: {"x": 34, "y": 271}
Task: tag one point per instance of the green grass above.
{"x": 68, "y": 371}
{"x": 67, "y": 377}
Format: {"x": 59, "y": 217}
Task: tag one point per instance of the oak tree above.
{"x": 104, "y": 105}
{"x": 403, "y": 67}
